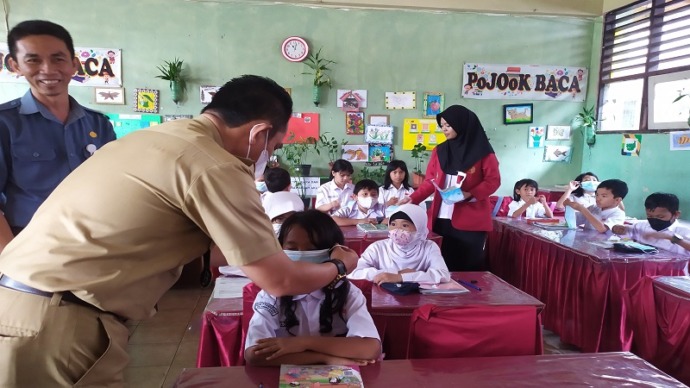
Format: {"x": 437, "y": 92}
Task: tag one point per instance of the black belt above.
{"x": 67, "y": 296}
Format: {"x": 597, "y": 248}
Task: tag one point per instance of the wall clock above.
{"x": 295, "y": 49}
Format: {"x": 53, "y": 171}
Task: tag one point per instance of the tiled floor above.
{"x": 162, "y": 346}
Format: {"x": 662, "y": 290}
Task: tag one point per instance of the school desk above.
{"x": 661, "y": 323}
{"x": 558, "y": 370}
{"x": 580, "y": 282}
{"x": 359, "y": 241}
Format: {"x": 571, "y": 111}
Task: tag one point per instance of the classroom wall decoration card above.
{"x": 356, "y": 153}
{"x": 562, "y": 154}
{"x": 433, "y": 104}
{"x": 380, "y": 154}
{"x": 302, "y": 126}
{"x": 351, "y": 100}
{"x": 425, "y": 131}
{"x": 114, "y": 96}
{"x": 382, "y": 134}
{"x": 535, "y": 138}
{"x": 680, "y": 141}
{"x": 401, "y": 100}
{"x": 124, "y": 124}
{"x": 206, "y": 93}
{"x": 354, "y": 123}
{"x": 558, "y": 132}
{"x": 632, "y": 145}
{"x": 146, "y": 100}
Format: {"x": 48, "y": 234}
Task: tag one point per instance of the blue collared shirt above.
{"x": 37, "y": 151}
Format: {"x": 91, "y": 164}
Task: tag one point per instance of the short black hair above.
{"x": 663, "y": 200}
{"x": 524, "y": 182}
{"x": 392, "y": 166}
{"x": 322, "y": 230}
{"x": 251, "y": 97}
{"x": 579, "y": 192}
{"x": 366, "y": 184}
{"x": 618, "y": 188}
{"x": 277, "y": 179}
{"x": 37, "y": 27}
{"x": 342, "y": 165}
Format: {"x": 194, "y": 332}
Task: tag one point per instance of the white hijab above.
{"x": 282, "y": 202}
{"x": 413, "y": 251}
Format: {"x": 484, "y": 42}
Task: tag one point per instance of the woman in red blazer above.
{"x": 463, "y": 225}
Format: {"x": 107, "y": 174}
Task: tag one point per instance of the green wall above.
{"x": 375, "y": 50}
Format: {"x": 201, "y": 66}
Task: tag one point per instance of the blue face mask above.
{"x": 317, "y": 256}
{"x": 590, "y": 186}
{"x": 261, "y": 186}
{"x": 451, "y": 195}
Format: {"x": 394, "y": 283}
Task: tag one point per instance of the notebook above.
{"x": 373, "y": 229}
{"x": 320, "y": 376}
{"x": 451, "y": 287}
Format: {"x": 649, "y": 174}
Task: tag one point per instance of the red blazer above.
{"x": 482, "y": 180}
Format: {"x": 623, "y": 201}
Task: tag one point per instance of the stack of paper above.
{"x": 451, "y": 287}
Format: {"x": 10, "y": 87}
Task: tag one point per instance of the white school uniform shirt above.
{"x": 640, "y": 229}
{"x": 329, "y": 192}
{"x": 428, "y": 264}
{"x": 267, "y": 319}
{"x": 534, "y": 210}
{"x": 353, "y": 212}
{"x": 386, "y": 194}
{"x": 587, "y": 200}
{"x": 610, "y": 217}
{"x": 445, "y": 211}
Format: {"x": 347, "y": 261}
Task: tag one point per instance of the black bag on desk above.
{"x": 402, "y": 288}
{"x": 633, "y": 247}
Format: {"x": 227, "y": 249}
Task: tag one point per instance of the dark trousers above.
{"x": 462, "y": 250}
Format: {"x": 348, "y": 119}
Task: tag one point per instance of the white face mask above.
{"x": 260, "y": 164}
{"x": 276, "y": 229}
{"x": 365, "y": 202}
{"x": 318, "y": 256}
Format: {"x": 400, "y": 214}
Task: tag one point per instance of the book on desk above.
{"x": 319, "y": 375}
{"x": 378, "y": 229}
{"x": 451, "y": 287}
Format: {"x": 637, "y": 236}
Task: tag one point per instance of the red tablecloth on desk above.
{"x": 580, "y": 283}
{"x": 661, "y": 322}
{"x": 221, "y": 333}
{"x": 594, "y": 370}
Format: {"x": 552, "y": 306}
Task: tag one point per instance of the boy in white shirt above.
{"x": 605, "y": 214}
{"x": 526, "y": 203}
{"x": 406, "y": 255}
{"x": 334, "y": 194}
{"x": 366, "y": 209}
{"x": 275, "y": 180}
{"x": 661, "y": 229}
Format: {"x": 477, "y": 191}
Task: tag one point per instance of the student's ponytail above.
{"x": 333, "y": 303}
{"x": 288, "y": 306}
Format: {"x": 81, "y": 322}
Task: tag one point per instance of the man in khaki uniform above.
{"x": 105, "y": 247}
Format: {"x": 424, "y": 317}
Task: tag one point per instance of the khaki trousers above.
{"x": 48, "y": 343}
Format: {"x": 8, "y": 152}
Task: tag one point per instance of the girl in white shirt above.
{"x": 328, "y": 326}
{"x": 335, "y": 194}
{"x": 581, "y": 190}
{"x": 526, "y": 203}
{"x": 395, "y": 187}
{"x": 406, "y": 255}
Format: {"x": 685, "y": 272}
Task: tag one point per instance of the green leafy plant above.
{"x": 173, "y": 71}
{"x": 295, "y": 157}
{"x": 419, "y": 154}
{"x": 318, "y": 66}
{"x": 587, "y": 121}
{"x": 332, "y": 146}
{"x": 369, "y": 172}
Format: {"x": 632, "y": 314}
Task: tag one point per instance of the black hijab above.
{"x": 466, "y": 149}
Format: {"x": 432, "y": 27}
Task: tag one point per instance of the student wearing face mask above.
{"x": 366, "y": 208}
{"x": 406, "y": 255}
{"x": 104, "y": 248}
{"x": 662, "y": 229}
{"x": 581, "y": 190}
{"x": 328, "y": 326}
{"x": 281, "y": 205}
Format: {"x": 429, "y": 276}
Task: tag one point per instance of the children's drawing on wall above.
{"x": 401, "y": 100}
{"x": 379, "y": 153}
{"x": 146, "y": 100}
{"x": 351, "y": 100}
{"x": 536, "y": 137}
{"x": 558, "y": 132}
{"x": 433, "y": 104}
{"x": 560, "y": 154}
{"x": 382, "y": 134}
{"x": 356, "y": 153}
{"x": 632, "y": 145}
{"x": 354, "y": 123}
{"x": 207, "y": 92}
{"x": 680, "y": 141}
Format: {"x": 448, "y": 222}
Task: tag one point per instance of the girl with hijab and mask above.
{"x": 406, "y": 255}
{"x": 463, "y": 224}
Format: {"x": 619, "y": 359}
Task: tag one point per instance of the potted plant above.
{"x": 295, "y": 155}
{"x": 586, "y": 121}
{"x": 319, "y": 66}
{"x": 173, "y": 71}
{"x": 419, "y": 154}
{"x": 332, "y": 146}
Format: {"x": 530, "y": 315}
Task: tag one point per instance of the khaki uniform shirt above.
{"x": 119, "y": 239}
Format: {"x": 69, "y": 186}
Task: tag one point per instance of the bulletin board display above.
{"x": 124, "y": 124}
{"x": 425, "y": 131}
{"x": 301, "y": 127}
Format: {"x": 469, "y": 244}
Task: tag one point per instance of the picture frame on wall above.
{"x": 206, "y": 93}
{"x": 558, "y": 132}
{"x": 518, "y": 114}
{"x": 146, "y": 100}
{"x": 433, "y": 104}
{"x": 401, "y": 100}
{"x": 379, "y": 119}
{"x": 354, "y": 123}
{"x": 113, "y": 96}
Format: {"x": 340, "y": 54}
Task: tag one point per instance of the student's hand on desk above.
{"x": 404, "y": 201}
{"x": 387, "y": 278}
{"x": 372, "y": 221}
{"x": 346, "y": 255}
{"x": 333, "y": 360}
{"x": 619, "y": 230}
{"x": 276, "y": 347}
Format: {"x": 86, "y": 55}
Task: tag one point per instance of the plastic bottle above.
{"x": 570, "y": 217}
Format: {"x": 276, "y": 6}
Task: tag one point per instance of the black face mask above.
{"x": 658, "y": 224}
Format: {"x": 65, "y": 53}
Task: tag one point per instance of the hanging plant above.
{"x": 319, "y": 67}
{"x": 173, "y": 71}
{"x": 587, "y": 121}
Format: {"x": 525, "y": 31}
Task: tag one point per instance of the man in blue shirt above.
{"x": 45, "y": 134}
